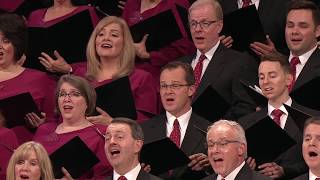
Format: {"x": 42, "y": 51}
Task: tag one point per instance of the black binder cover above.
{"x": 298, "y": 116}
{"x": 108, "y": 7}
{"x": 69, "y": 37}
{"x": 244, "y": 26}
{"x": 266, "y": 141}
{"x": 116, "y": 98}
{"x": 307, "y": 94}
{"x": 162, "y": 29}
{"x": 257, "y": 98}
{"x": 15, "y": 108}
{"x": 211, "y": 105}
{"x": 75, "y": 157}
{"x": 162, "y": 155}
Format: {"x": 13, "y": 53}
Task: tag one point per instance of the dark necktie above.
{"x": 122, "y": 178}
{"x": 175, "y": 133}
{"x": 245, "y": 3}
{"x": 293, "y": 65}
{"x": 317, "y": 178}
{"x": 198, "y": 70}
{"x": 277, "y": 113}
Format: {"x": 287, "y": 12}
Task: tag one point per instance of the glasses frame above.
{"x": 203, "y": 24}
{"x": 173, "y": 86}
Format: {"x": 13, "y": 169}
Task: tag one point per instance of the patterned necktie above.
{"x": 245, "y": 3}
{"x": 198, "y": 70}
{"x": 122, "y": 178}
{"x": 293, "y": 65}
{"x": 175, "y": 133}
{"x": 277, "y": 113}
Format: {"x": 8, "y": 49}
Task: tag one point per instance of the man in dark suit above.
{"x": 274, "y": 79}
{"x": 215, "y": 65}
{"x": 311, "y": 149}
{"x": 227, "y": 149}
{"x": 302, "y": 30}
{"x": 179, "y": 120}
{"x": 272, "y": 14}
{"x": 124, "y": 140}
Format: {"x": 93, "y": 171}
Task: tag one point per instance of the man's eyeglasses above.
{"x": 202, "y": 24}
{"x": 172, "y": 86}
{"x": 72, "y": 94}
{"x": 220, "y": 144}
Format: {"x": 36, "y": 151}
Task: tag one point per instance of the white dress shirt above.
{"x": 283, "y": 118}
{"x": 183, "y": 122}
{"x": 233, "y": 174}
{"x": 131, "y": 175}
{"x": 303, "y": 60}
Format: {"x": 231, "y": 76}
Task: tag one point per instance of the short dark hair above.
{"x": 83, "y": 86}
{"x": 312, "y": 120}
{"x": 136, "y": 130}
{"x": 307, "y": 5}
{"x": 189, "y": 75}
{"x": 277, "y": 57}
{"x": 15, "y": 30}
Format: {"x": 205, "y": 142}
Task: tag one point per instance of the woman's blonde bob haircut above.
{"x": 127, "y": 54}
{"x": 22, "y": 152}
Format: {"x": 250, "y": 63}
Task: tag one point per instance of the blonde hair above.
{"x": 22, "y": 152}
{"x": 128, "y": 51}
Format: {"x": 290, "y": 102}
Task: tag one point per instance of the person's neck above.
{"x": 128, "y": 167}
{"x": 108, "y": 68}
{"x": 148, "y": 4}
{"x": 72, "y": 124}
{"x": 62, "y": 5}
{"x": 10, "y": 71}
{"x": 276, "y": 103}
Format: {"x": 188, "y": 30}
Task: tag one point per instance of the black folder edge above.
{"x": 60, "y": 159}
{"x": 259, "y": 99}
{"x": 129, "y": 103}
{"x": 160, "y": 164}
{"x": 161, "y": 35}
{"x": 298, "y": 116}
{"x": 266, "y": 142}
{"x": 31, "y": 107}
{"x": 228, "y": 29}
{"x": 206, "y": 98}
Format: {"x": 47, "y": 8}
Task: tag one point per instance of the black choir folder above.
{"x": 266, "y": 141}
{"x": 211, "y": 105}
{"x": 244, "y": 26}
{"x": 162, "y": 29}
{"x": 15, "y": 108}
{"x": 69, "y": 37}
{"x": 298, "y": 116}
{"x": 75, "y": 157}
{"x": 162, "y": 155}
{"x": 308, "y": 94}
{"x": 116, "y": 98}
{"x": 257, "y": 98}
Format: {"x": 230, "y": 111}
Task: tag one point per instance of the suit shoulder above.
{"x": 302, "y": 177}
{"x": 153, "y": 120}
{"x": 211, "y": 177}
{"x": 258, "y": 176}
{"x": 200, "y": 120}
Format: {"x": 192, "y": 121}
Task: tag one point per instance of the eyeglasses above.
{"x": 220, "y": 144}
{"x": 72, "y": 94}
{"x": 202, "y": 24}
{"x": 172, "y": 86}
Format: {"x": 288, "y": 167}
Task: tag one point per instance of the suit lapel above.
{"x": 158, "y": 129}
{"x": 212, "y": 72}
{"x": 189, "y": 144}
{"x": 290, "y": 126}
{"x": 309, "y": 70}
{"x": 244, "y": 173}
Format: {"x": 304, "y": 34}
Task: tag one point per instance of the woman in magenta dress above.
{"x": 8, "y": 143}
{"x": 136, "y": 11}
{"x": 15, "y": 79}
{"x": 59, "y": 11}
{"x": 110, "y": 55}
{"x": 75, "y": 99}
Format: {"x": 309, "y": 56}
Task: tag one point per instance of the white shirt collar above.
{"x": 208, "y": 54}
{"x": 311, "y": 175}
{"x": 183, "y": 119}
{"x": 131, "y": 175}
{"x": 282, "y": 108}
{"x": 304, "y": 57}
{"x": 233, "y": 174}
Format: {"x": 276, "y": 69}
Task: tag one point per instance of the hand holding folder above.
{"x": 15, "y": 108}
